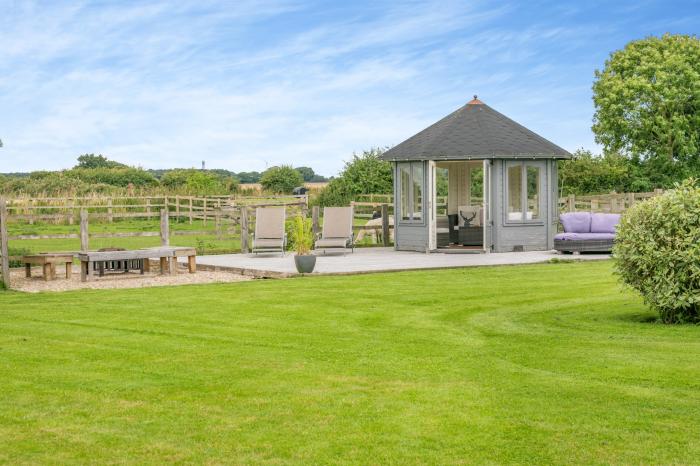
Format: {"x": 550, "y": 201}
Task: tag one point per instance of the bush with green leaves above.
{"x": 203, "y": 182}
{"x": 657, "y": 252}
{"x": 364, "y": 174}
{"x": 281, "y": 180}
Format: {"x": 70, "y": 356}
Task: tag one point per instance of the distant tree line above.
{"x": 98, "y": 174}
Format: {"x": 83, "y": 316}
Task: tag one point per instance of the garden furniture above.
{"x": 337, "y": 230}
{"x": 586, "y": 232}
{"x": 270, "y": 235}
{"x": 48, "y": 262}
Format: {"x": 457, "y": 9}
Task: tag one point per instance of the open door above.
{"x": 488, "y": 218}
{"x": 432, "y": 207}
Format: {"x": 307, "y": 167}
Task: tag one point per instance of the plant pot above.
{"x": 305, "y": 264}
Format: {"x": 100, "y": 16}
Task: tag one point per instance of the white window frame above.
{"x": 523, "y": 192}
{"x": 411, "y": 220}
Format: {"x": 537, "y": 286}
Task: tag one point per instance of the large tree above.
{"x": 97, "y": 161}
{"x": 647, "y": 102}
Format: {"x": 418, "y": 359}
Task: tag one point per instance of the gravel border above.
{"x": 36, "y": 283}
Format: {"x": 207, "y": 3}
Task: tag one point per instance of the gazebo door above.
{"x": 432, "y": 207}
{"x": 486, "y": 201}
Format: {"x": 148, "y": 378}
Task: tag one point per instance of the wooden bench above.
{"x": 48, "y": 263}
{"x": 167, "y": 255}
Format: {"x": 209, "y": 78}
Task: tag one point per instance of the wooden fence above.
{"x": 230, "y": 216}
{"x": 4, "y": 253}
{"x": 606, "y": 203}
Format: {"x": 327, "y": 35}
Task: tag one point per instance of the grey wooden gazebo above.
{"x": 501, "y": 185}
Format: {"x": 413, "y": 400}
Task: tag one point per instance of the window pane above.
{"x": 533, "y": 193}
{"x": 404, "y": 189}
{"x": 515, "y": 204}
{"x": 476, "y": 187}
{"x": 417, "y": 191}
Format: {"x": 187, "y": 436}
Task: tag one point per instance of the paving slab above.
{"x": 369, "y": 260}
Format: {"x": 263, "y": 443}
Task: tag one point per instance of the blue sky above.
{"x": 249, "y": 84}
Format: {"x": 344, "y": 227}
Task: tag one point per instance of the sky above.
{"x": 245, "y": 85}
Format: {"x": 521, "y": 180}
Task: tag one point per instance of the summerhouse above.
{"x": 475, "y": 181}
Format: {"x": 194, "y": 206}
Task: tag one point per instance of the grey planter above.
{"x": 305, "y": 264}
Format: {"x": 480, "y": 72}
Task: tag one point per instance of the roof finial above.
{"x": 476, "y": 101}
{"x": 476, "y": 97}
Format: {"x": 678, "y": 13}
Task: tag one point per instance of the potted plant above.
{"x": 302, "y": 236}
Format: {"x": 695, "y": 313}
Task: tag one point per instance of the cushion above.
{"x": 268, "y": 243}
{"x": 584, "y": 236}
{"x": 604, "y": 223}
{"x": 576, "y": 222}
{"x": 469, "y": 211}
{"x": 331, "y": 243}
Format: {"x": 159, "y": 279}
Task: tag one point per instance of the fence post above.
{"x": 190, "y": 210}
{"x": 204, "y": 212}
{"x": 244, "y": 230}
{"x": 315, "y": 228}
{"x": 164, "y": 227}
{"x": 30, "y": 211}
{"x": 385, "y": 224}
{"x": 148, "y": 208}
{"x": 110, "y": 219}
{"x": 84, "y": 238}
{"x": 4, "y": 248}
{"x": 572, "y": 203}
{"x": 177, "y": 209}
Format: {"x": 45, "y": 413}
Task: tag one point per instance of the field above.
{"x": 209, "y": 243}
{"x": 539, "y": 364}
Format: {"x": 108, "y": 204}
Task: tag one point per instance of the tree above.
{"x": 364, "y": 174}
{"x": 647, "y": 102}
{"x": 97, "y": 161}
{"x": 281, "y": 179}
{"x": 309, "y": 175}
{"x": 248, "y": 177}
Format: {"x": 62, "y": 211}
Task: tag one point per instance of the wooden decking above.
{"x": 371, "y": 260}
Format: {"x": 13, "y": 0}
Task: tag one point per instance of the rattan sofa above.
{"x": 586, "y": 232}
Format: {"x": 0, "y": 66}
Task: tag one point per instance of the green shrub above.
{"x": 300, "y": 234}
{"x": 202, "y": 182}
{"x": 364, "y": 174}
{"x": 657, "y": 252}
{"x": 281, "y": 180}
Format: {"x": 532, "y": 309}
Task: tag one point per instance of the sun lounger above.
{"x": 269, "y": 230}
{"x": 337, "y": 230}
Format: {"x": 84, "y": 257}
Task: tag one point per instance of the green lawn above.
{"x": 530, "y": 364}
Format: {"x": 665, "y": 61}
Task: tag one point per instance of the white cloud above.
{"x": 249, "y": 83}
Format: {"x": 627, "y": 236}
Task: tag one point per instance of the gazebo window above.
{"x": 411, "y": 191}
{"x": 524, "y": 192}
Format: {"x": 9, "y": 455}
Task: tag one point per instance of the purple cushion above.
{"x": 576, "y": 222}
{"x": 604, "y": 223}
{"x": 584, "y": 236}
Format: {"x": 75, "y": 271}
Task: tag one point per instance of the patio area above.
{"x": 371, "y": 260}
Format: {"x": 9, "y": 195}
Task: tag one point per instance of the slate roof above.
{"x": 475, "y": 131}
